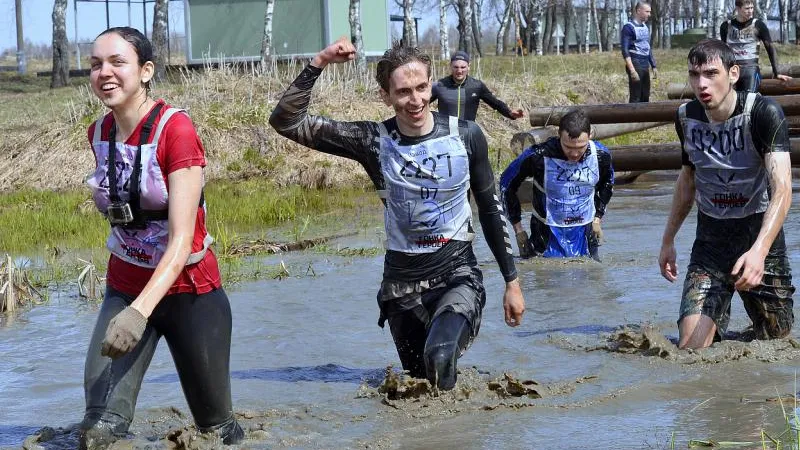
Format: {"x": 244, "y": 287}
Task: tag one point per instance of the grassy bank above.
{"x": 45, "y": 144}
{"x": 35, "y": 220}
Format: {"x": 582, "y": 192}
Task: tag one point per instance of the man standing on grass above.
{"x": 743, "y": 34}
{"x": 635, "y": 45}
{"x": 459, "y": 94}
{"x": 736, "y": 167}
{"x": 425, "y": 167}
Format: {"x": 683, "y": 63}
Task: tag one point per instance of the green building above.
{"x": 231, "y": 30}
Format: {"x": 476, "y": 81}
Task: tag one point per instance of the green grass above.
{"x": 33, "y": 221}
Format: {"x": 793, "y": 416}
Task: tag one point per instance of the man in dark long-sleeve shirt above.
{"x": 459, "y": 95}
{"x": 635, "y": 45}
{"x": 743, "y": 34}
{"x": 424, "y": 165}
{"x": 573, "y": 181}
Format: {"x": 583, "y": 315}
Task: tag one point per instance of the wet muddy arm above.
{"x": 682, "y": 201}
{"x": 510, "y": 181}
{"x": 779, "y": 171}
{"x": 490, "y": 211}
{"x": 763, "y": 33}
{"x": 604, "y": 188}
{"x": 292, "y": 120}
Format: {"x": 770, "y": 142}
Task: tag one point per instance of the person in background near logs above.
{"x": 425, "y": 166}
{"x": 573, "y": 181}
{"x": 638, "y": 56}
{"x": 162, "y": 277}
{"x": 736, "y": 167}
{"x": 459, "y": 94}
{"x": 743, "y": 34}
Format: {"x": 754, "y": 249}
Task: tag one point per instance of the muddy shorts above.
{"x": 769, "y": 305}
{"x": 460, "y": 291}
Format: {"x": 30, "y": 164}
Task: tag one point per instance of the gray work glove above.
{"x": 597, "y": 230}
{"x": 525, "y": 248}
{"x": 124, "y": 331}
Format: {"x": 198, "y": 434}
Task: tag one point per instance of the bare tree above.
{"x": 355, "y": 35}
{"x": 159, "y": 38}
{"x": 60, "y": 75}
{"x": 698, "y": 18}
{"x": 476, "y": 25}
{"x": 444, "y": 44}
{"x": 266, "y": 38}
{"x": 409, "y": 28}
{"x": 598, "y": 34}
{"x": 784, "y": 8}
{"x": 465, "y": 34}
{"x": 504, "y": 24}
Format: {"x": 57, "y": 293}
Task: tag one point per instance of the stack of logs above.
{"x": 611, "y": 120}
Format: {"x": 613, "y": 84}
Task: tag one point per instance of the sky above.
{"x": 38, "y": 26}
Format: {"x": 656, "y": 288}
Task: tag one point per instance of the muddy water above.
{"x": 308, "y": 356}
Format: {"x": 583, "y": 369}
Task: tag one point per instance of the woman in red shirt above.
{"x": 163, "y": 279}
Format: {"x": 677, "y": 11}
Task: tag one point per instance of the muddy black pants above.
{"x": 197, "y": 329}
{"x": 434, "y": 321}
{"x": 639, "y": 91}
{"x": 749, "y": 79}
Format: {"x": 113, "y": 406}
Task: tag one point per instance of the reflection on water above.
{"x": 303, "y": 345}
{"x": 327, "y": 373}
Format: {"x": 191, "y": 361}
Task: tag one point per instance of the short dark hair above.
{"x": 574, "y": 123}
{"x": 395, "y": 57}
{"x": 140, "y": 43}
{"x": 707, "y": 50}
{"x": 740, "y": 3}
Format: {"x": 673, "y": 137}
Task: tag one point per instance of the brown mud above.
{"x": 403, "y": 397}
{"x": 647, "y": 340}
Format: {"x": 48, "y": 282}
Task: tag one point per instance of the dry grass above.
{"x": 45, "y": 144}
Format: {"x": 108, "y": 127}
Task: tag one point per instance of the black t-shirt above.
{"x": 720, "y": 242}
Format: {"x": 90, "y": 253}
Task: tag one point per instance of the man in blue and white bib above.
{"x": 638, "y": 56}
{"x": 573, "y": 181}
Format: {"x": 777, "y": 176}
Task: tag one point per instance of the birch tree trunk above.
{"x": 266, "y": 38}
{"x": 476, "y": 26}
{"x": 501, "y": 33}
{"x": 465, "y": 25}
{"x": 596, "y": 22}
{"x": 60, "y": 75}
{"x": 355, "y": 36}
{"x": 698, "y": 18}
{"x": 587, "y": 30}
{"x": 444, "y": 44}
{"x": 159, "y": 38}
{"x": 579, "y": 38}
{"x": 719, "y": 17}
{"x": 668, "y": 23}
{"x": 409, "y": 30}
{"x": 784, "y": 22}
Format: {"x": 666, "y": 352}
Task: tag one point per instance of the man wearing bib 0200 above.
{"x": 736, "y": 167}
{"x": 424, "y": 165}
{"x": 573, "y": 181}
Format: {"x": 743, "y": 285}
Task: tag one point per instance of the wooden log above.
{"x": 783, "y": 69}
{"x": 664, "y": 156}
{"x": 521, "y": 141}
{"x": 767, "y": 87}
{"x": 663, "y": 111}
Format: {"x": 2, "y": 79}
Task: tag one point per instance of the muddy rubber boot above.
{"x": 230, "y": 432}
{"x": 440, "y": 365}
{"x": 98, "y": 436}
